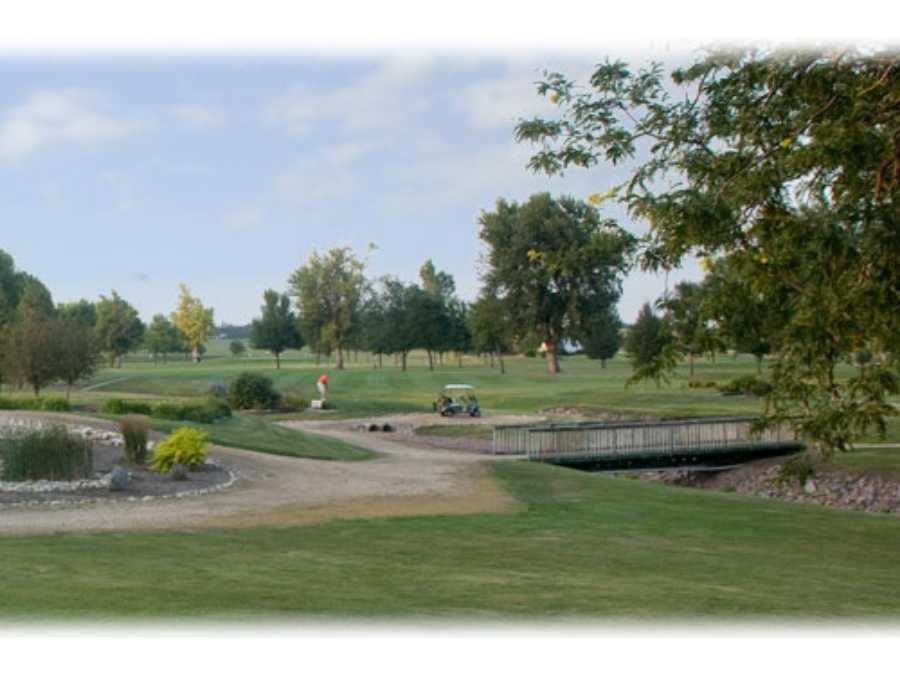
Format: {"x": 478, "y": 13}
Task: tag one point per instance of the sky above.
{"x": 154, "y": 152}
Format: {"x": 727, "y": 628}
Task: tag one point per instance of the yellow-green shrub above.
{"x": 185, "y": 446}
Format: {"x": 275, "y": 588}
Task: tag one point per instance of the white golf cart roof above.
{"x": 458, "y": 386}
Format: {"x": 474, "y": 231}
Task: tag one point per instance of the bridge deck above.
{"x": 685, "y": 442}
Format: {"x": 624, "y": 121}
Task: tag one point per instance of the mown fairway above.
{"x": 363, "y": 389}
{"x": 611, "y": 550}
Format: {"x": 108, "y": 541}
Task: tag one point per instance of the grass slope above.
{"x": 582, "y": 547}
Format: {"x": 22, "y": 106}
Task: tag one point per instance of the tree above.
{"x": 491, "y": 328}
{"x": 459, "y": 338}
{"x": 34, "y": 298}
{"x": 397, "y": 334}
{"x": 745, "y": 320}
{"x": 118, "y": 328}
{"x": 438, "y": 315}
{"x": 193, "y": 321}
{"x": 76, "y": 353}
{"x": 82, "y": 311}
{"x": 11, "y": 282}
{"x": 689, "y": 314}
{"x": 785, "y": 162}
{"x": 649, "y": 344}
{"x": 429, "y": 322}
{"x": 28, "y": 351}
{"x": 30, "y": 338}
{"x": 161, "y": 338}
{"x": 328, "y": 290}
{"x": 10, "y": 287}
{"x": 374, "y": 331}
{"x": 550, "y": 259}
{"x": 601, "y": 337}
{"x": 276, "y": 330}
{"x": 26, "y": 310}
{"x": 436, "y": 283}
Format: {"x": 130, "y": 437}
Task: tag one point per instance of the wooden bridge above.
{"x": 696, "y": 442}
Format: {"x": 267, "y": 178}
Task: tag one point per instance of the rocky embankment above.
{"x": 825, "y": 485}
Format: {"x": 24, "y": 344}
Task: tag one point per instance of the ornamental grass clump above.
{"x": 46, "y": 453}
{"x": 184, "y": 447}
{"x": 135, "y": 430}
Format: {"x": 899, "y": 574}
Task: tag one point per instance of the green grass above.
{"x": 363, "y": 390}
{"x": 481, "y": 431}
{"x": 581, "y": 547}
{"x": 261, "y": 434}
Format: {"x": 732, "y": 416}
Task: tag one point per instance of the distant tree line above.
{"x": 552, "y": 276}
{"x": 42, "y": 343}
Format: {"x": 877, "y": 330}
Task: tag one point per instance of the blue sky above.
{"x": 223, "y": 165}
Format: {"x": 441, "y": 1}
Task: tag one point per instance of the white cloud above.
{"x": 296, "y": 111}
{"x": 308, "y": 181}
{"x": 63, "y": 116}
{"x": 122, "y": 189}
{"x": 194, "y": 115}
{"x": 245, "y": 219}
{"x": 346, "y": 153}
{"x": 499, "y": 102}
{"x": 382, "y": 98}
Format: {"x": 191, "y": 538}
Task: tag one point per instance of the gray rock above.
{"x": 119, "y": 478}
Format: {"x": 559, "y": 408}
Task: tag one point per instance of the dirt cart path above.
{"x": 407, "y": 477}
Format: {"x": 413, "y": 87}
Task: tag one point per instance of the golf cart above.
{"x": 457, "y": 399}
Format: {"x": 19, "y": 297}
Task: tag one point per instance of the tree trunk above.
{"x": 552, "y": 359}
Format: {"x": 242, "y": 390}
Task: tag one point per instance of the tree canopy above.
{"x": 276, "y": 329}
{"x": 554, "y": 264}
{"x": 328, "y": 290}
{"x": 118, "y": 328}
{"x": 787, "y": 164}
{"x": 193, "y": 320}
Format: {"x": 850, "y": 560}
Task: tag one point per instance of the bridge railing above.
{"x": 597, "y": 441}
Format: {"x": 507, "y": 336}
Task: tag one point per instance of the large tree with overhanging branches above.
{"x": 785, "y": 162}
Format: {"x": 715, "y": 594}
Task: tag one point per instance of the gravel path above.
{"x": 411, "y": 475}
{"x": 407, "y": 477}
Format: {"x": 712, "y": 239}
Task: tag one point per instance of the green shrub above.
{"x": 252, "y": 391}
{"x": 166, "y": 410}
{"x": 216, "y": 408}
{"x": 292, "y": 402}
{"x": 204, "y": 412}
{"x": 47, "y": 453}
{"x": 748, "y": 385}
{"x": 184, "y": 447}
{"x": 797, "y": 470}
{"x": 118, "y": 406}
{"x": 41, "y": 403}
{"x": 53, "y": 404}
{"x": 135, "y": 430}
{"x": 114, "y": 406}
